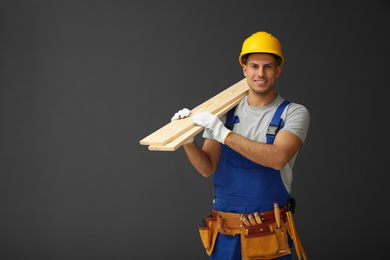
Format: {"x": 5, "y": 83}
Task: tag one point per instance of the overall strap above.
{"x": 231, "y": 119}
{"x": 276, "y": 123}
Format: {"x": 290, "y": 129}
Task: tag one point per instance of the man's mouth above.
{"x": 260, "y": 81}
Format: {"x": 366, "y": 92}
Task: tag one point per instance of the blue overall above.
{"x": 243, "y": 186}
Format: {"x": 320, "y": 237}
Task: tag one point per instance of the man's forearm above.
{"x": 267, "y": 155}
{"x": 200, "y": 159}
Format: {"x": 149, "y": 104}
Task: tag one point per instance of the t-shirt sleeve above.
{"x": 297, "y": 120}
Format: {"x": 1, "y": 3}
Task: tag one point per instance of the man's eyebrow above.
{"x": 267, "y": 64}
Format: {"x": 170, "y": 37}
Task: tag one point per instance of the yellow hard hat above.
{"x": 261, "y": 42}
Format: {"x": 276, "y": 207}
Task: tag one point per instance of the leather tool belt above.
{"x": 263, "y": 235}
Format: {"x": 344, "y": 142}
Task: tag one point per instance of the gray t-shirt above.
{"x": 254, "y": 122}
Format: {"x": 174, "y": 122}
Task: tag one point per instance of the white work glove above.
{"x": 183, "y": 113}
{"x": 213, "y": 125}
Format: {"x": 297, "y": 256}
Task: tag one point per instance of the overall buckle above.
{"x": 272, "y": 130}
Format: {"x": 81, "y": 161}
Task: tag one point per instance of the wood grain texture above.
{"x": 177, "y": 128}
{"x": 180, "y": 140}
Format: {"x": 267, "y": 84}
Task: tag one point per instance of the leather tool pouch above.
{"x": 260, "y": 241}
{"x": 208, "y": 233}
{"x": 264, "y": 241}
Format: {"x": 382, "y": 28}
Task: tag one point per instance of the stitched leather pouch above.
{"x": 264, "y": 241}
{"x": 209, "y": 233}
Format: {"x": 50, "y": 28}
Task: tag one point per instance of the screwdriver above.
{"x": 277, "y": 214}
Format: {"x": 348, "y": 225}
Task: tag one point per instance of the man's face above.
{"x": 261, "y": 71}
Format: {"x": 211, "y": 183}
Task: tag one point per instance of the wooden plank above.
{"x": 176, "y": 128}
{"x": 179, "y": 141}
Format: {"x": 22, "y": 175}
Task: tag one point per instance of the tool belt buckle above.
{"x": 222, "y": 226}
{"x": 227, "y": 232}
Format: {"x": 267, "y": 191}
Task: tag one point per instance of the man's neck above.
{"x": 260, "y": 100}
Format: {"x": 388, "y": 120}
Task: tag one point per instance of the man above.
{"x": 252, "y": 162}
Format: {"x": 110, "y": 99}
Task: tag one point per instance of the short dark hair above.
{"x": 278, "y": 59}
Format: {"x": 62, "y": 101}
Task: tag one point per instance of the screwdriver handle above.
{"x": 277, "y": 215}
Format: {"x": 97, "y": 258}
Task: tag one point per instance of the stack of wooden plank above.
{"x": 176, "y": 133}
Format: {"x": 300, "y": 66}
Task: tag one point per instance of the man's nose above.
{"x": 261, "y": 72}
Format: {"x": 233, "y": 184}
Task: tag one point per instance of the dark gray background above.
{"x": 81, "y": 82}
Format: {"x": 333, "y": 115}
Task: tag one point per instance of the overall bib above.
{"x": 242, "y": 186}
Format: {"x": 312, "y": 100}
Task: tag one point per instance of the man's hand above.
{"x": 213, "y": 125}
{"x": 183, "y": 113}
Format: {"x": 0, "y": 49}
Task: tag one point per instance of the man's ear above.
{"x": 244, "y": 69}
{"x": 278, "y": 71}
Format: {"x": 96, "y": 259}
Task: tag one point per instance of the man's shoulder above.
{"x": 293, "y": 108}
